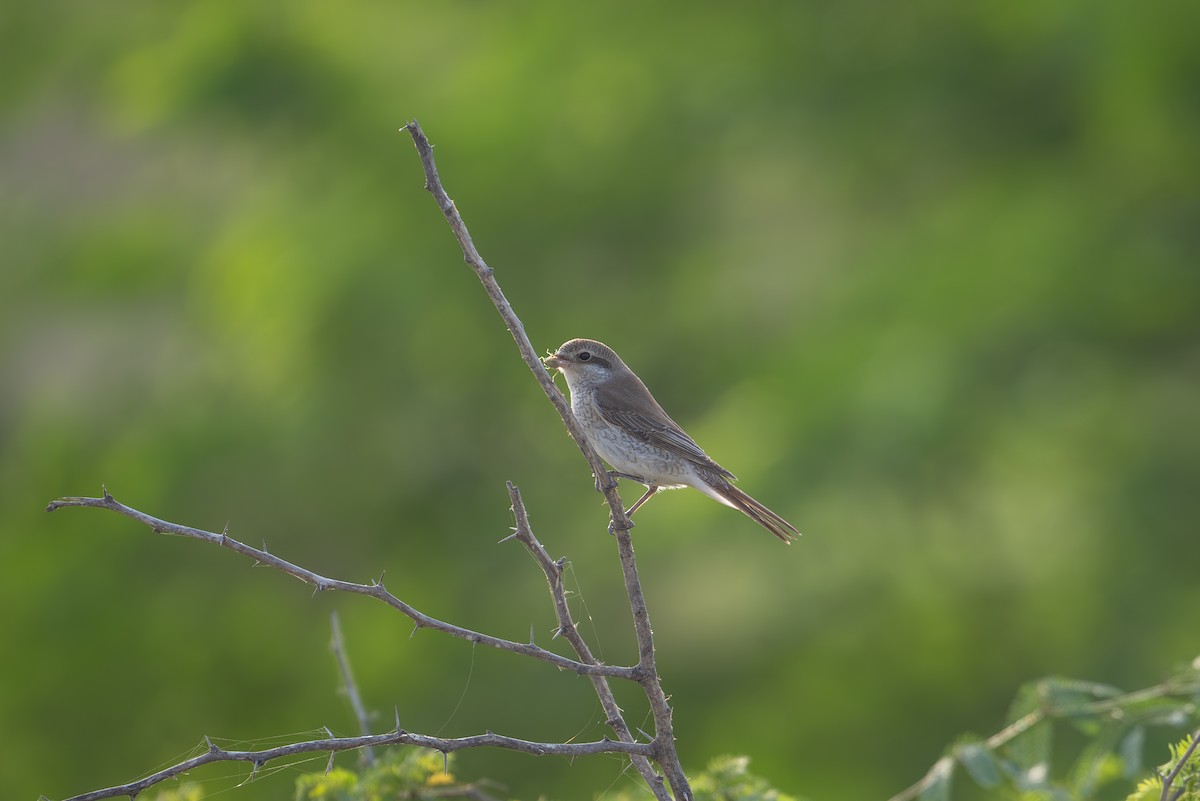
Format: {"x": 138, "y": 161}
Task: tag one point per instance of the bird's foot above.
{"x": 612, "y": 525}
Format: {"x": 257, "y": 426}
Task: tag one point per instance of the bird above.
{"x": 623, "y": 422}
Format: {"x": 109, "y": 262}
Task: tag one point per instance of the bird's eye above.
{"x": 584, "y": 355}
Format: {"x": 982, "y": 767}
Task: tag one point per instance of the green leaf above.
{"x": 1072, "y": 699}
{"x": 1099, "y": 763}
{"x": 980, "y": 763}
{"x": 938, "y": 786}
{"x": 1130, "y": 751}
{"x": 1031, "y": 748}
{"x": 1032, "y": 779}
{"x": 728, "y": 779}
{"x": 1158, "y": 711}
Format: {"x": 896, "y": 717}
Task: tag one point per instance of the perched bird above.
{"x": 630, "y": 431}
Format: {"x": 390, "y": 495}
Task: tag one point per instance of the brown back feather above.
{"x": 634, "y": 409}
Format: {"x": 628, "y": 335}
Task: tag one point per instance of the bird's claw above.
{"x": 612, "y": 524}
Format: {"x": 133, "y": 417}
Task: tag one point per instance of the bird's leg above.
{"x": 650, "y": 490}
{"x": 613, "y": 475}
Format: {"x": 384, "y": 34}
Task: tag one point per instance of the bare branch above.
{"x": 350, "y": 687}
{"x": 570, "y": 632}
{"x": 334, "y": 744}
{"x": 433, "y": 183}
{"x": 321, "y": 583}
{"x": 619, "y": 523}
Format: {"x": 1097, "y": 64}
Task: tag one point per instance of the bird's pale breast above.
{"x": 626, "y": 453}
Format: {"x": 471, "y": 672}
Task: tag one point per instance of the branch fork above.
{"x": 659, "y": 749}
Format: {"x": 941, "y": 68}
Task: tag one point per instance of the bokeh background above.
{"x": 923, "y": 275}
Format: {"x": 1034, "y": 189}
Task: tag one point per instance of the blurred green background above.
{"x": 923, "y": 275}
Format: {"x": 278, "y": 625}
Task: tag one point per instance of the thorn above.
{"x": 644, "y": 733}
{"x": 329, "y": 764}
{"x": 446, "y": 762}
{"x": 254, "y": 766}
{"x": 510, "y": 537}
{"x": 557, "y": 632}
{"x": 531, "y": 642}
{"x": 107, "y": 497}
{"x": 416, "y": 628}
{"x": 212, "y": 749}
{"x": 328, "y": 732}
{"x": 398, "y": 729}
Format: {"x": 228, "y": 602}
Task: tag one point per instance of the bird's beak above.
{"x": 554, "y": 360}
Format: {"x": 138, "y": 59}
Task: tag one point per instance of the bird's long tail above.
{"x": 732, "y": 496}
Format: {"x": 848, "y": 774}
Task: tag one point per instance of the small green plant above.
{"x": 416, "y": 773}
{"x": 1182, "y": 773}
{"x": 727, "y": 778}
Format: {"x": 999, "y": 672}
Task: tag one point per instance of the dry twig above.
{"x": 333, "y": 744}
{"x": 349, "y": 686}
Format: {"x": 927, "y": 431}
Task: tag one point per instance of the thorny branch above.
{"x": 333, "y": 744}
{"x": 660, "y": 750}
{"x": 433, "y": 183}
{"x": 568, "y": 630}
{"x": 619, "y": 523}
{"x": 321, "y": 583}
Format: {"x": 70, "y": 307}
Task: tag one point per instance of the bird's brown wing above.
{"x": 640, "y": 415}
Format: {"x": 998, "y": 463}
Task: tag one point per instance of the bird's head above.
{"x": 584, "y": 360}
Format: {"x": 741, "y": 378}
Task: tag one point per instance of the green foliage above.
{"x": 1186, "y": 784}
{"x": 397, "y": 773}
{"x": 420, "y": 774}
{"x": 728, "y": 778}
{"x": 1114, "y": 723}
